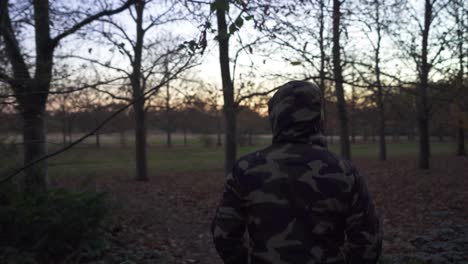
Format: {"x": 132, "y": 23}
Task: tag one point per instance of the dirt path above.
{"x": 420, "y": 211}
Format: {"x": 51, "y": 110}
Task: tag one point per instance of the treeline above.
{"x": 188, "y": 120}
{"x": 200, "y": 117}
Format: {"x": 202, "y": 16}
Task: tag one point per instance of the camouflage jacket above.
{"x": 298, "y": 202}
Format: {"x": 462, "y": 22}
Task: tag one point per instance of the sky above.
{"x": 268, "y": 60}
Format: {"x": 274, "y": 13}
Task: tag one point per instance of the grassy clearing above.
{"x": 89, "y": 161}
{"x": 85, "y": 160}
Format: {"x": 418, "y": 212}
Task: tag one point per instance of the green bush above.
{"x": 51, "y": 226}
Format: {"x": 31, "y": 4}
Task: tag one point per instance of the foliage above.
{"x": 48, "y": 227}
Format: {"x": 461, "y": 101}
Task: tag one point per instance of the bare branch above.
{"x": 68, "y": 91}
{"x": 106, "y": 65}
{"x": 119, "y": 28}
{"x": 89, "y": 20}
{"x": 246, "y": 97}
{"x": 20, "y": 70}
{"x": 113, "y": 95}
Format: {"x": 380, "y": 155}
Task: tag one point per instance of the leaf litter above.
{"x": 167, "y": 220}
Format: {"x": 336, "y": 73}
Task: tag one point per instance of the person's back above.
{"x": 299, "y": 202}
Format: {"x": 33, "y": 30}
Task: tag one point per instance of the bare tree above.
{"x": 148, "y": 60}
{"x": 458, "y": 10}
{"x": 338, "y": 77}
{"x": 168, "y": 117}
{"x": 323, "y": 56}
{"x": 91, "y": 103}
{"x": 376, "y": 24}
{"x": 289, "y": 23}
{"x": 63, "y": 112}
{"x": 422, "y": 37}
{"x": 31, "y": 90}
{"x": 230, "y": 141}
{"x": 423, "y": 69}
{"x": 424, "y": 65}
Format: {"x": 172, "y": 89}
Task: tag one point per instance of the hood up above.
{"x": 295, "y": 113}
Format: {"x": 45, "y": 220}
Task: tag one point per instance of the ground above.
{"x": 166, "y": 220}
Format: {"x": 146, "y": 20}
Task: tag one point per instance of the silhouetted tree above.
{"x": 31, "y": 90}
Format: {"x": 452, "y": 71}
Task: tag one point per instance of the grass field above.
{"x": 90, "y": 161}
{"x": 111, "y": 159}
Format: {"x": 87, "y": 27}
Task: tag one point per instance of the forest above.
{"x": 120, "y": 119}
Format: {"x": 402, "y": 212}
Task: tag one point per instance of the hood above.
{"x": 295, "y": 113}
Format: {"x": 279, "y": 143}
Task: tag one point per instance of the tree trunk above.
{"x": 380, "y": 95}
{"x": 168, "y": 137}
{"x": 123, "y": 141}
{"x": 337, "y": 70}
{"x": 365, "y": 136}
{"x": 219, "y": 143}
{"x": 184, "y": 128}
{"x": 64, "y": 130}
{"x": 322, "y": 63}
{"x": 461, "y": 151}
{"x": 168, "y": 118}
{"x": 373, "y": 134}
{"x": 423, "y": 118}
{"x": 382, "y": 142}
{"x": 35, "y": 179}
{"x": 98, "y": 139}
{"x": 423, "y": 126}
{"x": 185, "y": 134}
{"x": 140, "y": 142}
{"x": 230, "y": 147}
{"x": 460, "y": 21}
{"x": 97, "y": 134}
{"x": 352, "y": 124}
{"x": 139, "y": 107}
{"x": 33, "y": 105}
{"x": 230, "y": 139}
{"x": 70, "y": 131}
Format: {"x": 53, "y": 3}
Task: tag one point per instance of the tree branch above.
{"x": 97, "y": 62}
{"x": 20, "y": 70}
{"x": 246, "y": 97}
{"x": 144, "y": 96}
{"x": 90, "y": 19}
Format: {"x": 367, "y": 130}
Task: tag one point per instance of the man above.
{"x": 299, "y": 203}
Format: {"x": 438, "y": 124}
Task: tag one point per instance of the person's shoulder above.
{"x": 251, "y": 159}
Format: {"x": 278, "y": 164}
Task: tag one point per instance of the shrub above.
{"x": 50, "y": 226}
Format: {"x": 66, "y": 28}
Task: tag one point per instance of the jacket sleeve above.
{"x": 228, "y": 226}
{"x": 363, "y": 229}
